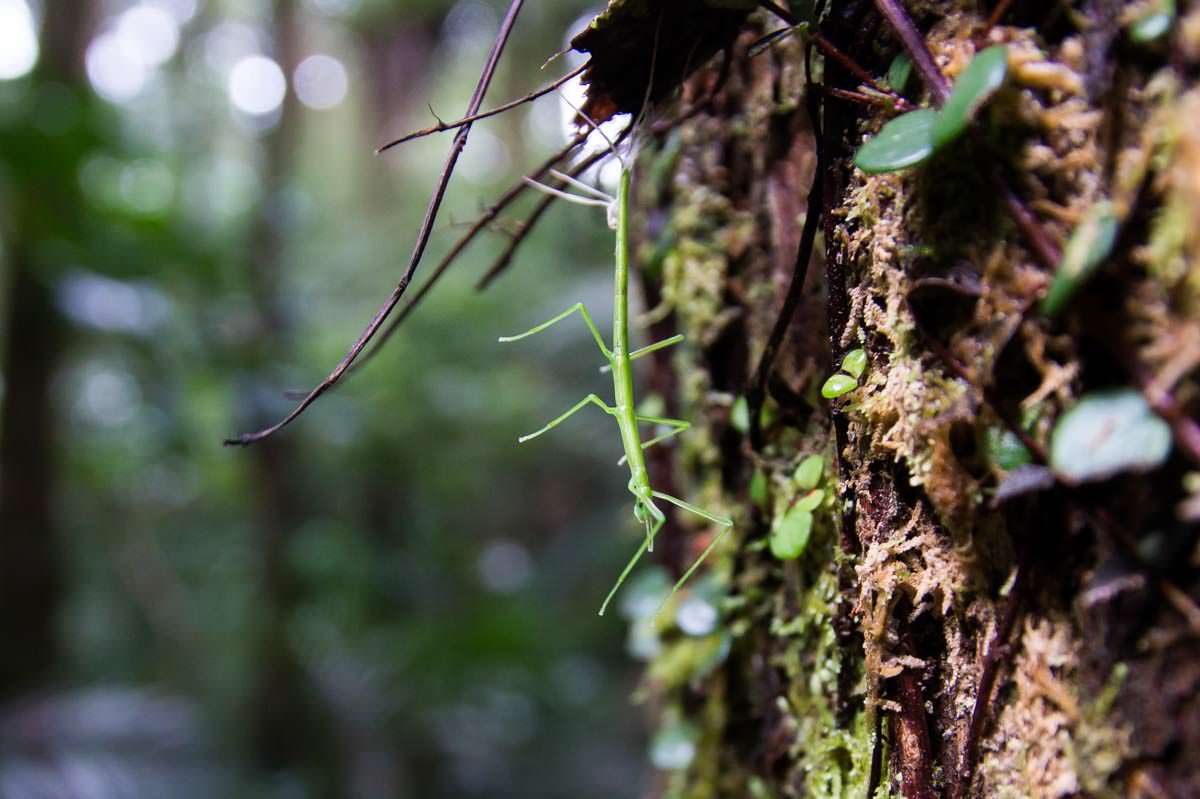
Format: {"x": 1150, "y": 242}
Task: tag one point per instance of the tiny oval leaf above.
{"x": 855, "y": 363}
{"x": 1106, "y": 433}
{"x": 1091, "y": 242}
{"x": 905, "y": 141}
{"x": 974, "y": 87}
{"x": 809, "y": 472}
{"x": 810, "y": 501}
{"x": 899, "y": 72}
{"x": 1005, "y": 449}
{"x": 838, "y": 385}
{"x": 789, "y": 539}
{"x": 1154, "y": 23}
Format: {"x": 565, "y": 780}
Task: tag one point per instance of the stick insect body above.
{"x": 623, "y": 409}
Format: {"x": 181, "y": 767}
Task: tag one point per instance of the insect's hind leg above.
{"x": 676, "y": 501}
{"x": 721, "y": 520}
{"x": 589, "y": 399}
{"x": 641, "y": 550}
{"x": 587, "y": 318}
{"x": 678, "y": 426}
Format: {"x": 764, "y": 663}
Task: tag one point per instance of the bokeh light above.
{"x": 18, "y": 40}
{"x": 149, "y": 34}
{"x": 320, "y": 81}
{"x": 257, "y": 85}
{"x": 115, "y": 74}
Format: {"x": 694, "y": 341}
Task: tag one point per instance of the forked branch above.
{"x": 423, "y": 234}
{"x": 467, "y": 120}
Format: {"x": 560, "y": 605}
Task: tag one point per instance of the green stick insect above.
{"x": 620, "y": 362}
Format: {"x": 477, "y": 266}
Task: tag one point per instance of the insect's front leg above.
{"x": 589, "y": 399}
{"x": 587, "y": 318}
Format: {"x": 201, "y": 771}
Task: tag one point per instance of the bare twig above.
{"x": 914, "y": 43}
{"x": 423, "y": 234}
{"x": 1046, "y": 250}
{"x": 997, "y": 14}
{"x": 890, "y": 102}
{"x": 996, "y": 656}
{"x": 812, "y": 218}
{"x": 467, "y": 120}
{"x": 476, "y": 228}
{"x": 505, "y": 259}
{"x": 827, "y": 48}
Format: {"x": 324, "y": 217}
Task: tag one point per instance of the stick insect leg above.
{"x": 656, "y": 346}
{"x": 678, "y": 426}
{"x": 695, "y": 565}
{"x": 649, "y": 348}
{"x": 641, "y": 550}
{"x": 590, "y": 398}
{"x": 721, "y": 520}
{"x": 586, "y": 318}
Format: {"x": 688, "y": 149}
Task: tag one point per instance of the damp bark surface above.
{"x": 951, "y": 625}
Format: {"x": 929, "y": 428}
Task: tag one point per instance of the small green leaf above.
{"x": 739, "y": 417}
{"x": 903, "y": 142}
{"x": 1107, "y": 433}
{"x": 974, "y": 87}
{"x": 759, "y": 489}
{"x": 789, "y": 539}
{"x": 810, "y": 501}
{"x": 674, "y": 746}
{"x": 1154, "y": 23}
{"x": 855, "y": 363}
{"x": 899, "y": 72}
{"x": 809, "y": 472}
{"x": 1005, "y": 450}
{"x": 838, "y": 385}
{"x": 1090, "y": 243}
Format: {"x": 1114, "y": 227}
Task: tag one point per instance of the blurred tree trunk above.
{"x": 289, "y": 729}
{"x": 930, "y": 639}
{"x": 31, "y": 581}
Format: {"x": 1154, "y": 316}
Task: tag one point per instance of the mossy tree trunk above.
{"x": 933, "y": 638}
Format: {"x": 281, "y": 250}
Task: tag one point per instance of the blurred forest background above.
{"x": 391, "y": 599}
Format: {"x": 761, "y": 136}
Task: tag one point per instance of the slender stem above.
{"x": 812, "y": 217}
{"x": 467, "y": 120}
{"x": 451, "y": 257}
{"x": 423, "y": 234}
{"x": 914, "y": 43}
{"x": 506, "y": 258}
{"x": 891, "y": 101}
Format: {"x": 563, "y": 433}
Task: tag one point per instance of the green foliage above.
{"x": 790, "y": 536}
{"x": 1154, "y": 23}
{"x": 1004, "y": 449}
{"x": 911, "y": 138}
{"x": 760, "y": 492}
{"x": 1090, "y": 244}
{"x": 982, "y": 78}
{"x": 809, "y": 472}
{"x": 905, "y": 141}
{"x": 855, "y": 363}
{"x": 838, "y": 385}
{"x": 899, "y": 72}
{"x": 1106, "y": 433}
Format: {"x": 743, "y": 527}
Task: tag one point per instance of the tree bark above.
{"x": 935, "y": 638}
